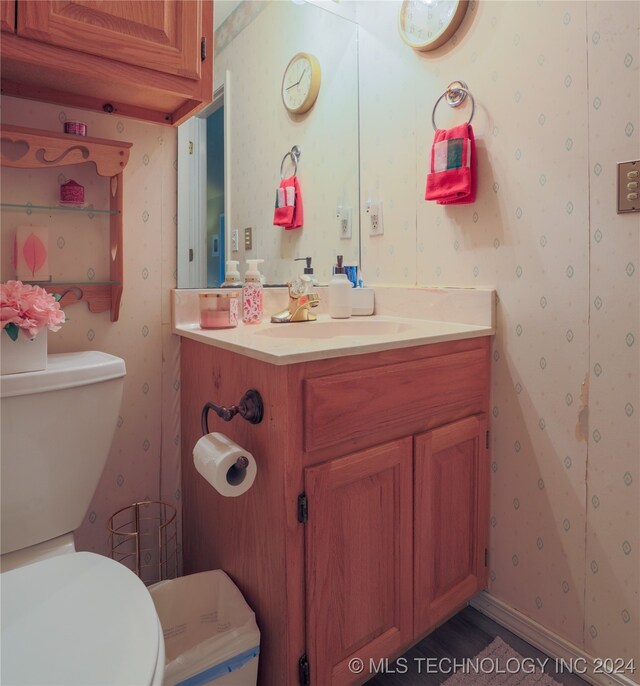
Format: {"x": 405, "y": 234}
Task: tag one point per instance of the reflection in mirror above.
{"x": 229, "y": 158}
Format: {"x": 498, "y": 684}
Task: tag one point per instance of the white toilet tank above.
{"x": 57, "y": 427}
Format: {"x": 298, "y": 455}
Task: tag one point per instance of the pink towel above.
{"x": 453, "y": 176}
{"x": 288, "y": 209}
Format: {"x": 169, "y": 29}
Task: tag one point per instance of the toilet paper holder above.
{"x": 250, "y": 408}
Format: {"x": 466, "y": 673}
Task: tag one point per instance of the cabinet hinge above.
{"x": 487, "y": 441}
{"x": 303, "y": 671}
{"x": 303, "y": 508}
{"x": 486, "y": 557}
{"x": 203, "y": 49}
{"x": 190, "y": 254}
{"x": 191, "y": 147}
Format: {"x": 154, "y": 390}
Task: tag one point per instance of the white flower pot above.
{"x": 22, "y": 355}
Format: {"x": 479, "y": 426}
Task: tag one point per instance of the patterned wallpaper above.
{"x": 144, "y": 459}
{"x": 557, "y": 93}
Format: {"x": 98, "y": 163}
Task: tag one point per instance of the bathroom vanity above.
{"x": 367, "y": 524}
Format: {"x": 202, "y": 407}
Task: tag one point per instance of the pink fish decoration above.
{"x": 34, "y": 252}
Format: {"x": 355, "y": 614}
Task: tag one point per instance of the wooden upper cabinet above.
{"x": 358, "y": 560}
{"x": 8, "y": 16}
{"x": 451, "y": 494}
{"x": 142, "y": 59}
{"x": 160, "y": 35}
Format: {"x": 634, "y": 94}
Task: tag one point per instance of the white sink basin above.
{"x": 334, "y": 329}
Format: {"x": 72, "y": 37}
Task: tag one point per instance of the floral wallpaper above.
{"x": 144, "y": 459}
{"x": 557, "y": 100}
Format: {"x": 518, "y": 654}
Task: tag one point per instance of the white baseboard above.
{"x": 548, "y": 642}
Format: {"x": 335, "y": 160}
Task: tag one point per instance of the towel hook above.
{"x": 294, "y": 154}
{"x": 455, "y": 95}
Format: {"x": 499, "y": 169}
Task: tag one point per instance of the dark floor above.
{"x": 463, "y": 636}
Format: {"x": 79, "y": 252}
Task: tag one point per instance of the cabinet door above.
{"x": 163, "y": 35}
{"x": 451, "y": 493}
{"x": 8, "y": 16}
{"x": 358, "y": 560}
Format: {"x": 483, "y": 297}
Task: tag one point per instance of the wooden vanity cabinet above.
{"x": 8, "y": 16}
{"x": 451, "y": 505}
{"x": 358, "y": 546}
{"x": 367, "y": 524}
{"x": 149, "y": 59}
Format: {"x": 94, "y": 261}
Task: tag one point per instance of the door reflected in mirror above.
{"x": 233, "y": 156}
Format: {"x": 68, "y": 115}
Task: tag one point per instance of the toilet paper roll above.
{"x": 230, "y": 469}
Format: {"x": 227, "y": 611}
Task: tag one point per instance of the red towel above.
{"x": 288, "y": 209}
{"x": 453, "y": 176}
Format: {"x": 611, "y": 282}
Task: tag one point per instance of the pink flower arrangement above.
{"x": 29, "y": 309}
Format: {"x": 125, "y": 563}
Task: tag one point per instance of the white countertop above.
{"x": 405, "y": 317}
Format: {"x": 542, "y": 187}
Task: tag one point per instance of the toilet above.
{"x": 67, "y": 618}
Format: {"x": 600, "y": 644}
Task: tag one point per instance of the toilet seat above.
{"x": 79, "y": 619}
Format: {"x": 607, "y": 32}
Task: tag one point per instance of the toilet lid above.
{"x": 79, "y": 619}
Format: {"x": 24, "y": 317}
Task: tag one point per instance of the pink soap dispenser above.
{"x": 252, "y": 294}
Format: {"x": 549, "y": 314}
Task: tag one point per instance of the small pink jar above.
{"x": 78, "y": 128}
{"x": 72, "y": 193}
{"x": 219, "y": 310}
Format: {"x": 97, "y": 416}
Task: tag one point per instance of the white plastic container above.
{"x": 362, "y": 302}
{"x": 210, "y": 633}
{"x": 340, "y": 293}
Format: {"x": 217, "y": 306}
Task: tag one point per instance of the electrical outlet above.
{"x": 344, "y": 222}
{"x": 234, "y": 240}
{"x": 376, "y": 227}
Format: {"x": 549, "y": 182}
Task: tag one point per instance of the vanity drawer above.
{"x": 371, "y": 405}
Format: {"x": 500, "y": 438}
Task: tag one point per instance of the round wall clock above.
{"x": 301, "y": 83}
{"x": 428, "y": 24}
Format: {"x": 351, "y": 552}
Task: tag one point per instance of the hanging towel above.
{"x": 453, "y": 176}
{"x": 288, "y": 209}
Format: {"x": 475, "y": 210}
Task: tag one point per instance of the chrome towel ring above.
{"x": 455, "y": 95}
{"x": 294, "y": 154}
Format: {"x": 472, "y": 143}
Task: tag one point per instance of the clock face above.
{"x": 301, "y": 83}
{"x": 427, "y": 24}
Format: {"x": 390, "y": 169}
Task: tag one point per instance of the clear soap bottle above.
{"x": 252, "y": 308}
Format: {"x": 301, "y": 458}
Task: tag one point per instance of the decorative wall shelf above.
{"x": 24, "y": 148}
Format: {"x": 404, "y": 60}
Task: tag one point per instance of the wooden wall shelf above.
{"x": 23, "y": 148}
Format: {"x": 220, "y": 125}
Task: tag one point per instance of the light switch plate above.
{"x": 629, "y": 186}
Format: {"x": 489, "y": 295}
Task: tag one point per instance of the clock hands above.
{"x": 298, "y": 81}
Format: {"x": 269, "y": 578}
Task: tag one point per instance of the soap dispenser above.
{"x": 232, "y": 275}
{"x": 252, "y": 294}
{"x": 308, "y": 270}
{"x": 339, "y": 293}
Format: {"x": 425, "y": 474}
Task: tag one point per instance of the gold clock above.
{"x": 301, "y": 83}
{"x": 428, "y": 24}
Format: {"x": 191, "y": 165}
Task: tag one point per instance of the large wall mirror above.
{"x": 230, "y": 157}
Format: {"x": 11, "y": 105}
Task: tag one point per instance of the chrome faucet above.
{"x": 300, "y": 304}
